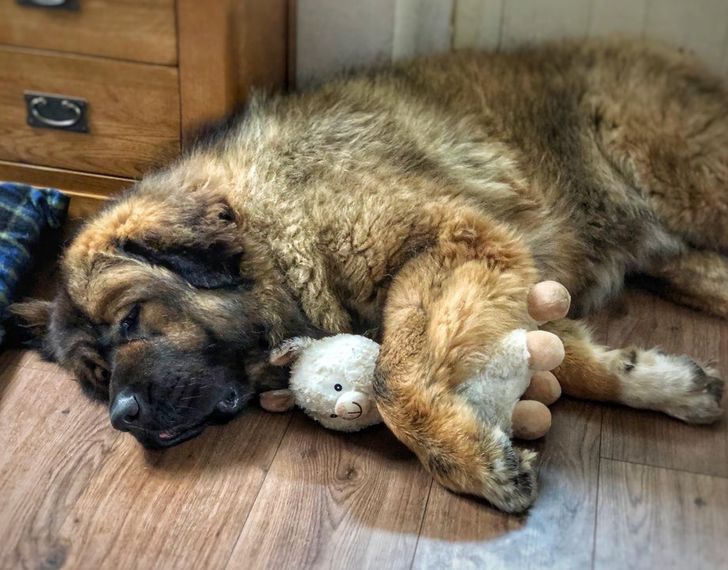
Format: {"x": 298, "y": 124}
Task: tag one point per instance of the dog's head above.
{"x": 167, "y": 308}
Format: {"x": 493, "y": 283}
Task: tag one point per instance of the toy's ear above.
{"x": 548, "y": 301}
{"x": 277, "y": 400}
{"x": 289, "y": 350}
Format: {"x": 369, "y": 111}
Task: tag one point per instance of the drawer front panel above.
{"x": 135, "y": 30}
{"x": 97, "y": 185}
{"x": 132, "y": 112}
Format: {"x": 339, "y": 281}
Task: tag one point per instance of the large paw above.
{"x": 675, "y": 385}
{"x": 515, "y": 473}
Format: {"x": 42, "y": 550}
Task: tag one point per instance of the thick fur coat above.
{"x": 419, "y": 201}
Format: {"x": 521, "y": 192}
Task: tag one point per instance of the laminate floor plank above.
{"x": 26, "y": 359}
{"x": 273, "y": 490}
{"x": 334, "y": 500}
{"x": 558, "y": 531}
{"x": 650, "y": 517}
{"x": 652, "y": 438}
{"x": 179, "y": 508}
{"x": 53, "y": 442}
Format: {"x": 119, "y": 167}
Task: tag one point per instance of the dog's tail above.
{"x": 462, "y": 453}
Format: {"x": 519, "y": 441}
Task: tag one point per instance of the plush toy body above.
{"x": 331, "y": 378}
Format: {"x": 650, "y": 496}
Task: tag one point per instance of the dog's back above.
{"x": 538, "y": 139}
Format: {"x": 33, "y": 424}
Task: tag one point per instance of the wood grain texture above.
{"x": 89, "y": 192}
{"x": 268, "y": 491}
{"x": 291, "y": 38}
{"x": 181, "y": 508}
{"x": 66, "y": 180}
{"x": 48, "y": 458}
{"x": 658, "y": 518}
{"x": 558, "y": 531}
{"x": 207, "y": 89}
{"x": 335, "y": 501}
{"x": 16, "y": 358}
{"x": 83, "y": 206}
{"x": 134, "y": 30}
{"x": 652, "y": 438}
{"x": 260, "y": 44}
{"x": 133, "y": 112}
{"x": 242, "y": 45}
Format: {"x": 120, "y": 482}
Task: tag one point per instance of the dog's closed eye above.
{"x": 130, "y": 323}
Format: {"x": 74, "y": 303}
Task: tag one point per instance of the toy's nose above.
{"x": 352, "y": 405}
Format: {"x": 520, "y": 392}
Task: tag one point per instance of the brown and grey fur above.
{"x": 424, "y": 200}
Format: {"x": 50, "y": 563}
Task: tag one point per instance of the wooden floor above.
{"x": 619, "y": 488}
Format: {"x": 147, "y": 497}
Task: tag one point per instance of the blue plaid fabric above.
{"x": 24, "y": 213}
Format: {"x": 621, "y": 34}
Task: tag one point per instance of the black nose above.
{"x": 124, "y": 410}
{"x": 231, "y": 403}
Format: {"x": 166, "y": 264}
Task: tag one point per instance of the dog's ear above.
{"x": 31, "y": 319}
{"x": 63, "y": 334}
{"x": 214, "y": 267}
{"x": 202, "y": 245}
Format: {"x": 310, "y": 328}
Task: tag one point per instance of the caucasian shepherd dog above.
{"x": 422, "y": 201}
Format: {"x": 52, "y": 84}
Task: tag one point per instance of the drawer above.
{"x": 135, "y": 30}
{"x": 133, "y": 112}
{"x": 88, "y": 192}
{"x": 83, "y": 206}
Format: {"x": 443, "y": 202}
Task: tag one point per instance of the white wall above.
{"x": 335, "y": 34}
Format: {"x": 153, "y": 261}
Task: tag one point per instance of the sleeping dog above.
{"x": 422, "y": 201}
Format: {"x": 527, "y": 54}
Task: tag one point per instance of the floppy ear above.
{"x": 277, "y": 400}
{"x": 64, "y": 335}
{"x": 213, "y": 267}
{"x": 202, "y": 243}
{"x": 31, "y": 319}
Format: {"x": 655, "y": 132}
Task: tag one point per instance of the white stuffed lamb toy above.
{"x": 332, "y": 378}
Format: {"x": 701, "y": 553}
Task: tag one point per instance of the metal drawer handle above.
{"x": 51, "y": 111}
{"x": 62, "y": 4}
{"x": 48, "y": 3}
{"x": 40, "y": 102}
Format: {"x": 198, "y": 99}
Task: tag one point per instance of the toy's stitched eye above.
{"x": 337, "y": 387}
{"x": 333, "y": 416}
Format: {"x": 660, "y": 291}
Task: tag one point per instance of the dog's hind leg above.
{"x": 649, "y": 379}
{"x": 696, "y": 278}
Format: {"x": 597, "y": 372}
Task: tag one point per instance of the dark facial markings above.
{"x": 172, "y": 353}
{"x": 203, "y": 268}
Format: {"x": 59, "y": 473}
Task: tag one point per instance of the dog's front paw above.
{"x": 515, "y": 474}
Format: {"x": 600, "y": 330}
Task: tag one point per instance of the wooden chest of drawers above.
{"x": 95, "y": 92}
